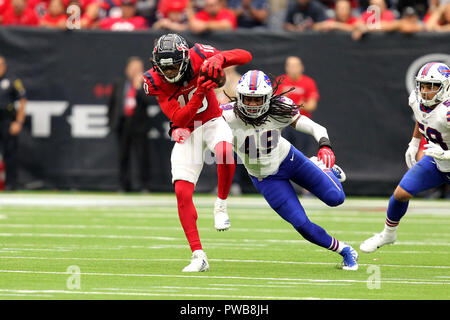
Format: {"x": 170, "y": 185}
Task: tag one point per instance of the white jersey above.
{"x": 434, "y": 124}
{"x": 261, "y": 149}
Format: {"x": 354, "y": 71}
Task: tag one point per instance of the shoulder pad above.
{"x": 150, "y": 81}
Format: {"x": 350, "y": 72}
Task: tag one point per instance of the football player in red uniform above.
{"x": 190, "y": 103}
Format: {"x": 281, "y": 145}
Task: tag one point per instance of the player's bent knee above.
{"x": 402, "y": 195}
{"x": 334, "y": 198}
{"x": 184, "y": 190}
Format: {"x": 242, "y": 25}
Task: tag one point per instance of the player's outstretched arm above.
{"x": 306, "y": 125}
{"x": 214, "y": 65}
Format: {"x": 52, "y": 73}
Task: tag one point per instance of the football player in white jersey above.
{"x": 256, "y": 118}
{"x": 430, "y": 102}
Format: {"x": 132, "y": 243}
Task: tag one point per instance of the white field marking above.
{"x": 82, "y": 200}
{"x": 115, "y": 293}
{"x": 104, "y": 236}
{"x": 280, "y": 285}
{"x": 212, "y": 241}
{"x": 215, "y": 260}
{"x": 405, "y": 252}
{"x": 262, "y": 230}
{"x": 153, "y": 288}
{"x": 25, "y": 295}
{"x": 293, "y": 280}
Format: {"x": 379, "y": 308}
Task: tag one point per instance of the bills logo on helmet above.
{"x": 267, "y": 80}
{"x": 444, "y": 70}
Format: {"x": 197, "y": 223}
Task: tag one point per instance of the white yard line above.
{"x": 291, "y": 280}
{"x": 217, "y": 260}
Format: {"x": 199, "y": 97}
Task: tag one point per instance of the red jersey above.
{"x": 119, "y": 24}
{"x": 27, "y": 18}
{"x": 305, "y": 89}
{"x": 387, "y": 15}
{"x": 223, "y": 14}
{"x": 48, "y": 20}
{"x": 173, "y": 96}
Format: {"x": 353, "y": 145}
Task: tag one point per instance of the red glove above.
{"x": 326, "y": 155}
{"x": 214, "y": 65}
{"x": 180, "y": 135}
{"x": 204, "y": 86}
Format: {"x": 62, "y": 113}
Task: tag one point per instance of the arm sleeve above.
{"x": 19, "y": 90}
{"x": 306, "y": 125}
{"x": 181, "y": 116}
{"x": 236, "y": 57}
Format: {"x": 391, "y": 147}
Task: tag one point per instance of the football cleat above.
{"x": 199, "y": 262}
{"x": 221, "y": 219}
{"x": 350, "y": 256}
{"x": 337, "y": 171}
{"x": 377, "y": 241}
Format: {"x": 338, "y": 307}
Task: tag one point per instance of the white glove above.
{"x": 436, "y": 151}
{"x": 411, "y": 152}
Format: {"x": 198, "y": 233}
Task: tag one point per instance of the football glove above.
{"x": 213, "y": 65}
{"x": 180, "y": 135}
{"x": 326, "y": 155}
{"x": 435, "y": 151}
{"x": 411, "y": 152}
{"x": 204, "y": 86}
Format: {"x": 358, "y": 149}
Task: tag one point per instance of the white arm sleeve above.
{"x": 306, "y": 125}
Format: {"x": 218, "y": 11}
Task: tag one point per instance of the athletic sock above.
{"x": 396, "y": 210}
{"x": 187, "y": 213}
{"x": 225, "y": 168}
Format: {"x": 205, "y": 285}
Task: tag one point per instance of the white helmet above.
{"x": 254, "y": 83}
{"x": 435, "y": 73}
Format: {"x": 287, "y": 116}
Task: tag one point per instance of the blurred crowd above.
{"x": 354, "y": 16}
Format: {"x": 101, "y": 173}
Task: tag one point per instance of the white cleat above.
{"x": 337, "y": 171}
{"x": 221, "y": 219}
{"x": 199, "y": 262}
{"x": 377, "y": 241}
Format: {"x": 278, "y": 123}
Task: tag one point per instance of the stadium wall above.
{"x": 364, "y": 87}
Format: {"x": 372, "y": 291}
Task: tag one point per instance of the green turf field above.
{"x": 100, "y": 246}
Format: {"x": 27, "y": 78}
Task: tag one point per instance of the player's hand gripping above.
{"x": 411, "y": 152}
{"x": 213, "y": 66}
{"x": 435, "y": 151}
{"x": 180, "y": 135}
{"x": 326, "y": 155}
{"x": 204, "y": 86}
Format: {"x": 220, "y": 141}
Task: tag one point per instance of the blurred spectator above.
{"x": 4, "y": 4}
{"x": 213, "y": 17}
{"x": 439, "y": 19}
{"x": 343, "y": 20}
{"x": 377, "y": 17}
{"x": 17, "y": 13}
{"x": 128, "y": 119}
{"x": 421, "y": 6}
{"x": 55, "y": 16}
{"x": 304, "y": 93}
{"x": 250, "y": 13}
{"x": 304, "y": 14}
{"x": 11, "y": 120}
{"x": 173, "y": 15}
{"x": 408, "y": 23}
{"x": 305, "y": 90}
{"x": 377, "y": 12}
{"x": 128, "y": 21}
{"x": 148, "y": 10}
